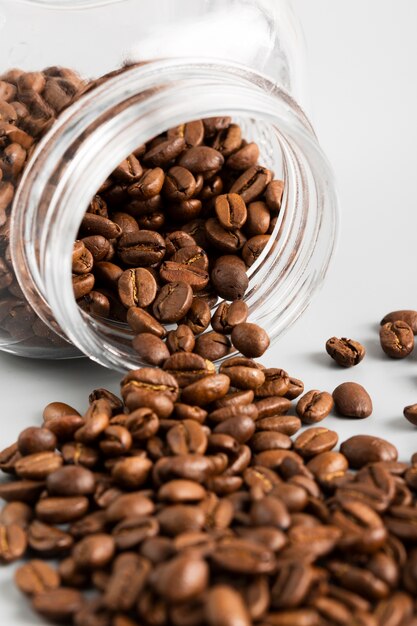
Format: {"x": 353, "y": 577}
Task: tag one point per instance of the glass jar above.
{"x": 164, "y": 63}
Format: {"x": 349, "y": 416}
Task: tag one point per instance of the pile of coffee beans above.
{"x": 173, "y": 229}
{"x": 30, "y": 103}
{"x": 194, "y": 501}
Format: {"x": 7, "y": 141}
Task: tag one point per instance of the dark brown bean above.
{"x": 143, "y": 322}
{"x": 173, "y": 302}
{"x": 345, "y": 352}
{"x": 229, "y": 277}
{"x": 363, "y": 449}
{"x": 58, "y": 604}
{"x": 410, "y": 413}
{"x": 250, "y": 339}
{"x": 201, "y": 159}
{"x": 226, "y": 607}
{"x": 34, "y": 439}
{"x": 137, "y": 288}
{"x": 151, "y": 349}
{"x": 352, "y": 400}
{"x": 212, "y": 346}
{"x": 253, "y": 248}
{"x": 397, "y": 339}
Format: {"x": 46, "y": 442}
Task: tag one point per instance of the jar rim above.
{"x": 69, "y": 4}
{"x": 149, "y": 90}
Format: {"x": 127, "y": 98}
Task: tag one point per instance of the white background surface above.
{"x": 362, "y": 66}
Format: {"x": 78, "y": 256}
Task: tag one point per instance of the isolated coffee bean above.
{"x": 250, "y": 339}
{"x": 410, "y": 413}
{"x": 407, "y": 316}
{"x": 150, "y": 348}
{"x": 397, "y": 339}
{"x": 352, "y": 400}
{"x": 345, "y": 352}
{"x": 314, "y": 406}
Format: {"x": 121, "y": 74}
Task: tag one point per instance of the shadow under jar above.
{"x": 72, "y": 127}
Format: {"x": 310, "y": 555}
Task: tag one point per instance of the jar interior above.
{"x": 117, "y": 336}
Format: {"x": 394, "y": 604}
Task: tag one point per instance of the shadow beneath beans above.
{"x": 400, "y": 424}
{"x": 374, "y": 350}
{"x": 322, "y": 359}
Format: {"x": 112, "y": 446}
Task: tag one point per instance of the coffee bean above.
{"x": 276, "y": 383}
{"x": 286, "y": 424}
{"x": 407, "y": 316}
{"x": 181, "y": 339}
{"x": 173, "y": 302}
{"x": 206, "y": 390}
{"x": 129, "y": 577}
{"x": 226, "y": 241}
{"x": 250, "y": 339}
{"x": 37, "y": 466}
{"x": 143, "y": 322}
{"x": 273, "y": 195}
{"x": 193, "y": 133}
{"x": 36, "y": 577}
{"x": 70, "y": 480}
{"x": 144, "y": 248}
{"x": 410, "y": 413}
{"x": 174, "y": 272}
{"x": 224, "y": 413}
{"x": 352, "y": 400}
{"x": 58, "y": 605}
{"x": 179, "y": 184}
{"x": 95, "y": 303}
{"x": 137, "y": 288}
{"x": 328, "y": 465}
{"x": 131, "y": 472}
{"x": 314, "y": 406}
{"x": 397, "y": 339}
{"x": 94, "y": 551}
{"x": 212, "y": 346}
{"x": 345, "y": 352}
{"x": 58, "y": 510}
{"x": 243, "y": 373}
{"x": 33, "y": 439}
{"x": 198, "y": 316}
{"x": 150, "y": 348}
{"x": 21, "y": 491}
{"x": 188, "y": 368}
{"x": 253, "y": 248}
{"x": 187, "y": 437}
{"x": 363, "y": 449}
{"x": 164, "y": 152}
{"x": 231, "y": 211}
{"x": 82, "y": 285}
{"x": 16, "y": 513}
{"x": 142, "y": 424}
{"x": 272, "y": 406}
{"x": 149, "y": 184}
{"x": 244, "y": 158}
{"x": 98, "y": 225}
{"x": 13, "y": 542}
{"x": 315, "y": 441}
{"x": 201, "y": 159}
{"x": 226, "y": 606}
{"x": 242, "y": 556}
{"x": 252, "y": 183}
{"x": 229, "y": 277}
{"x": 270, "y": 440}
{"x": 128, "y": 170}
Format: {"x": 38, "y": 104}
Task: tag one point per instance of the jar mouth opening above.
{"x": 97, "y": 133}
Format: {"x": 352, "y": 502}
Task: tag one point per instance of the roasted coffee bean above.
{"x": 226, "y": 241}
{"x": 71, "y": 480}
{"x": 48, "y": 540}
{"x": 188, "y": 368}
{"x": 410, "y": 413}
{"x": 37, "y": 466}
{"x": 137, "y": 288}
{"x": 258, "y": 219}
{"x": 173, "y": 272}
{"x": 128, "y": 170}
{"x": 95, "y": 303}
{"x": 144, "y": 248}
{"x": 201, "y": 159}
{"x": 226, "y": 607}
{"x": 276, "y": 383}
{"x": 229, "y": 277}
{"x": 397, "y": 339}
{"x": 181, "y": 578}
{"x": 206, "y": 390}
{"x": 345, "y": 352}
{"x": 187, "y": 437}
{"x": 198, "y": 316}
{"x": 36, "y": 577}
{"x": 150, "y": 348}
{"x": 314, "y": 406}
{"x": 82, "y": 259}
{"x": 143, "y": 322}
{"x": 58, "y": 510}
{"x": 327, "y": 466}
{"x": 250, "y": 339}
{"x": 131, "y": 472}
{"x": 243, "y": 557}
{"x": 227, "y": 316}
{"x": 252, "y": 183}
{"x": 58, "y": 605}
{"x": 98, "y": 225}
{"x": 179, "y": 184}
{"x": 142, "y": 424}
{"x": 82, "y": 285}
{"x": 272, "y": 406}
{"x": 269, "y": 440}
{"x": 362, "y": 528}
{"x": 129, "y": 577}
{"x": 21, "y": 491}
{"x": 352, "y": 400}
{"x": 286, "y": 424}
{"x": 243, "y": 373}
{"x": 212, "y": 346}
{"x": 315, "y": 441}
{"x": 224, "y": 413}
{"x": 13, "y": 542}
{"x": 192, "y": 132}
{"x": 94, "y": 551}
{"x": 164, "y": 152}
{"x": 98, "y": 246}
{"x": 149, "y": 184}
{"x": 33, "y": 439}
{"x": 181, "y": 339}
{"x": 407, "y": 316}
{"x": 173, "y": 302}
{"x": 231, "y": 211}
{"x": 79, "y": 454}
{"x": 16, "y": 513}
{"x": 363, "y": 449}
{"x": 253, "y": 248}
{"x": 273, "y": 195}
